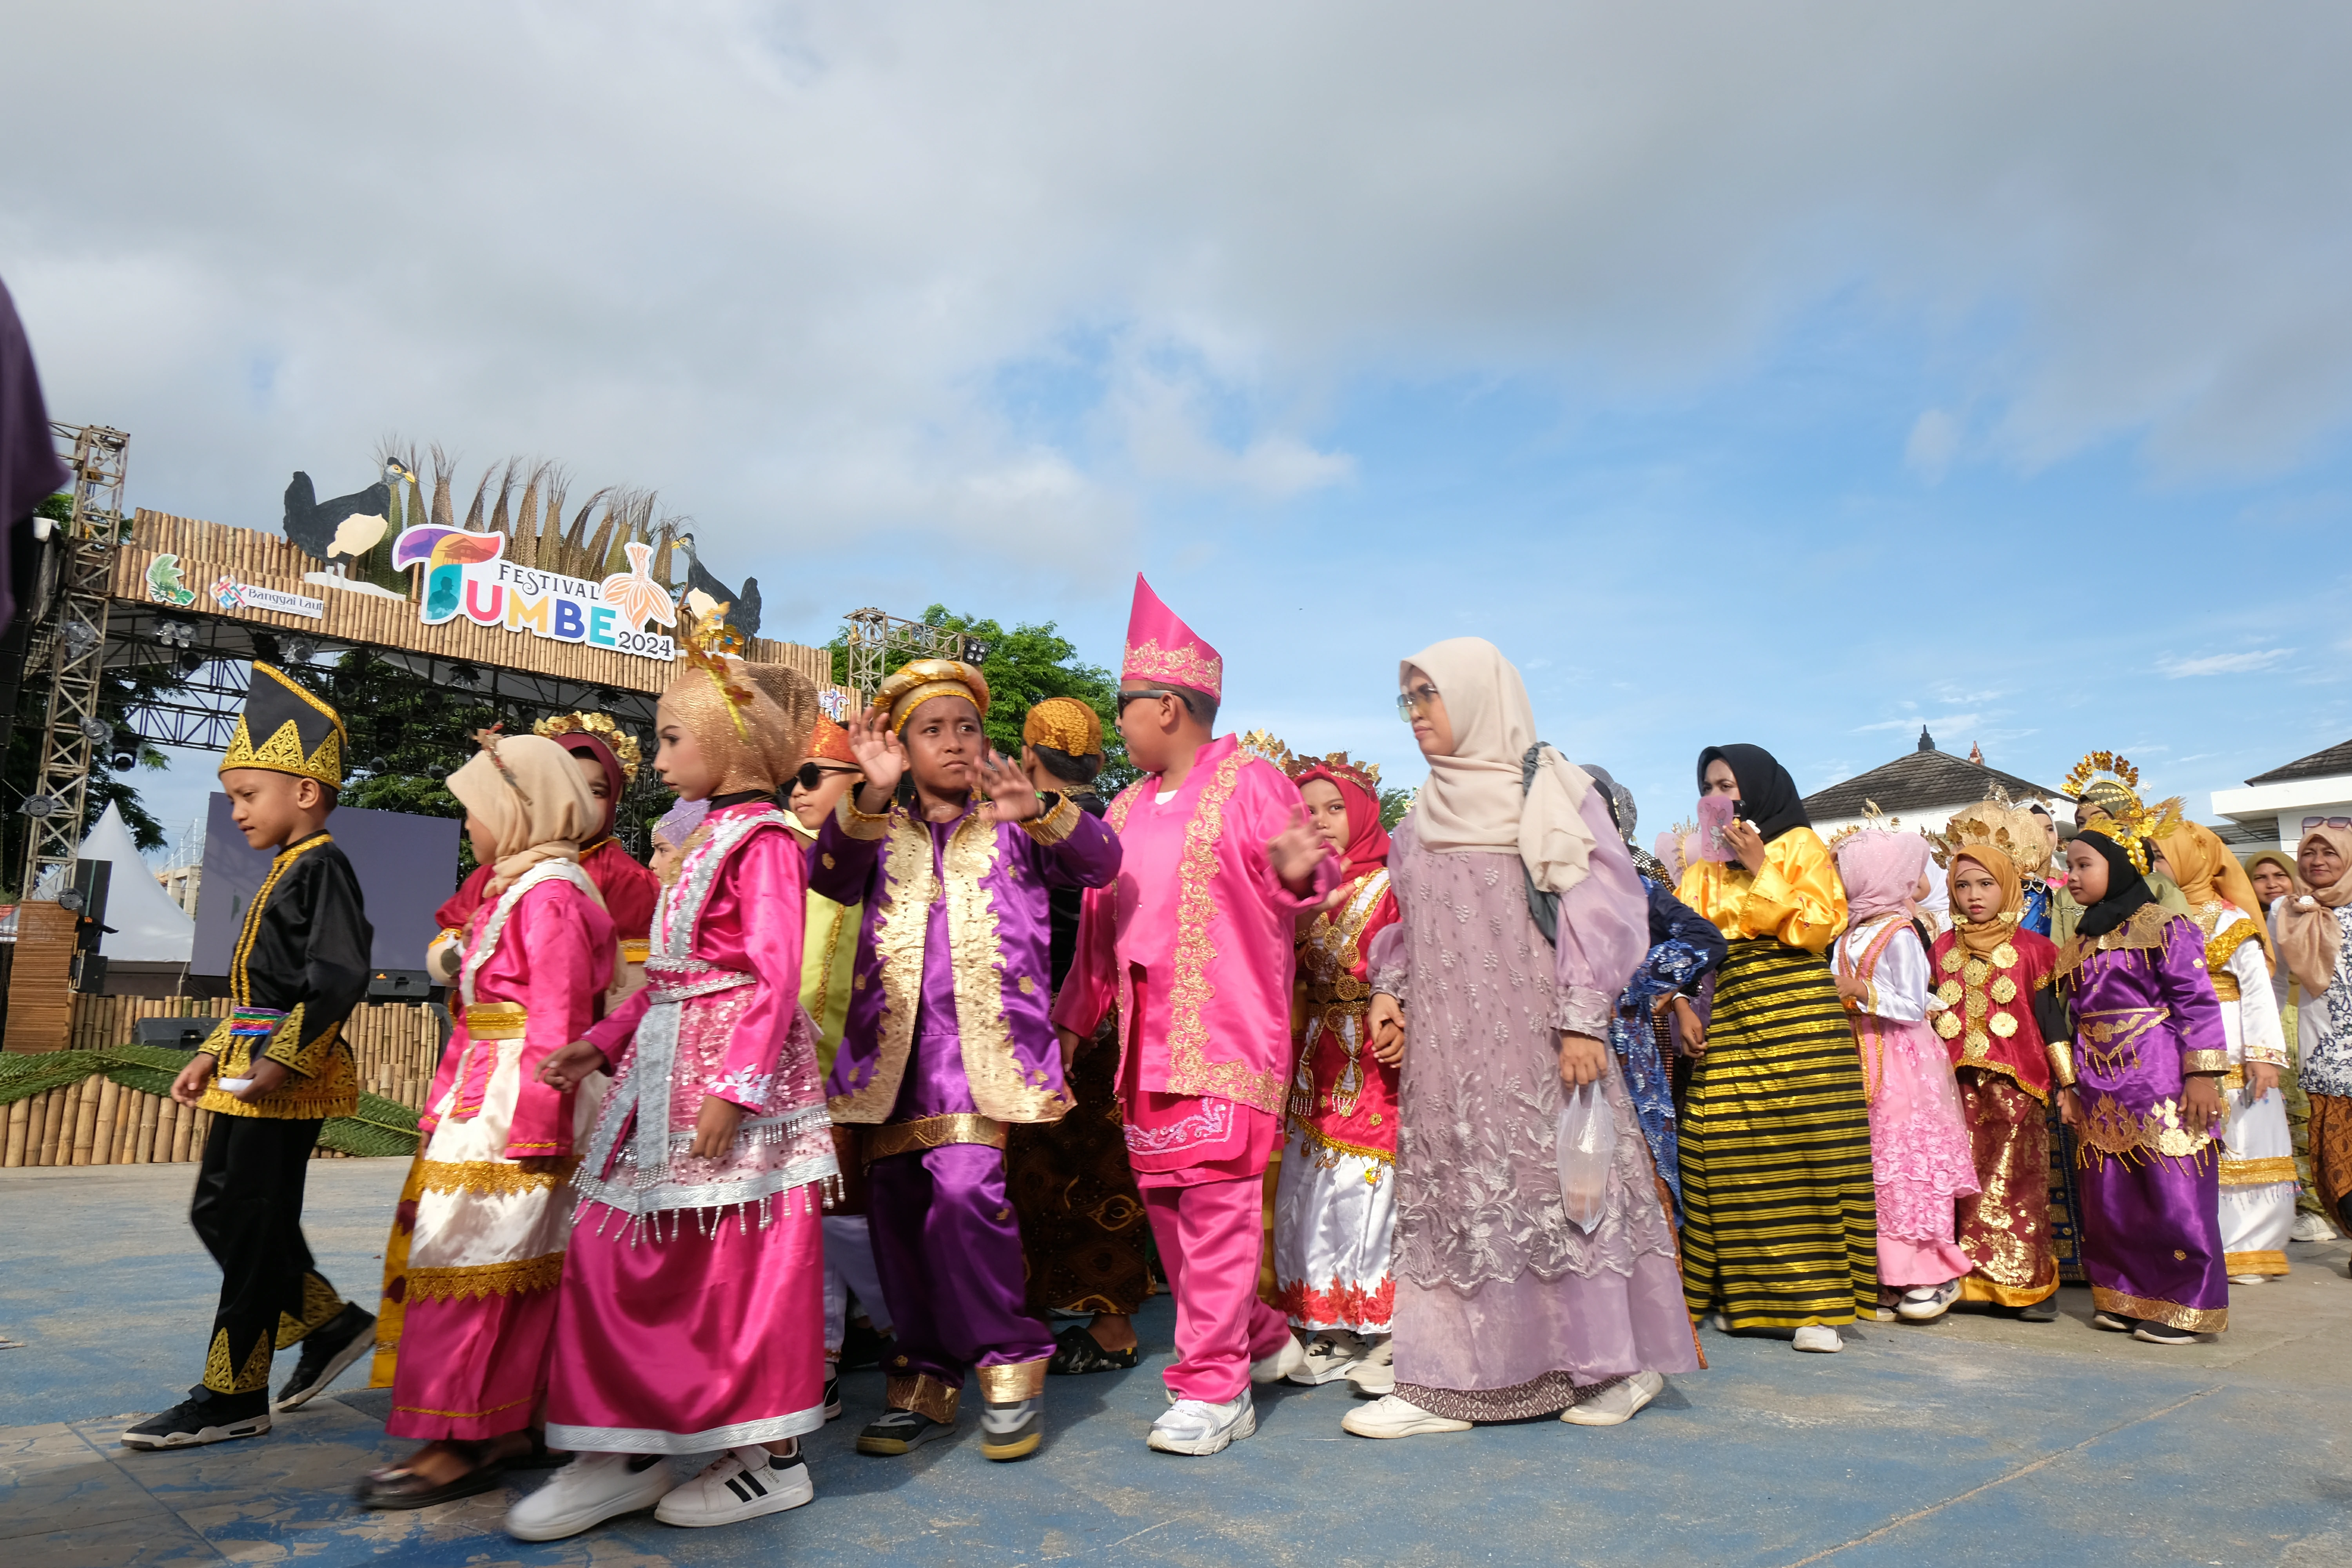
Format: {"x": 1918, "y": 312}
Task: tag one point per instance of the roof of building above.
{"x": 2336, "y": 759}
{"x": 1922, "y": 778}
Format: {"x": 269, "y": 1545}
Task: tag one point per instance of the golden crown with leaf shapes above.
{"x": 619, "y": 742}
{"x": 2109, "y": 785}
{"x": 1261, "y": 743}
{"x": 1874, "y": 820}
{"x": 1998, "y": 823}
{"x": 1365, "y": 776}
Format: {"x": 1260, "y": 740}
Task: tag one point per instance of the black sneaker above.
{"x": 1011, "y": 1431}
{"x": 2153, "y": 1333}
{"x": 330, "y": 1347}
{"x": 203, "y": 1417}
{"x": 2045, "y": 1310}
{"x": 833, "y": 1398}
{"x": 899, "y": 1432}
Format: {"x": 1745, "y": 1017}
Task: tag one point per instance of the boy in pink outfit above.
{"x": 1193, "y": 944}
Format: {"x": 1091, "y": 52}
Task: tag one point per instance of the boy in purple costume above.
{"x": 948, "y": 1039}
{"x": 2140, "y": 1075}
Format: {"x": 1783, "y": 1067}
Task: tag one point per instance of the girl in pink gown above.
{"x": 477, "y": 1243}
{"x": 692, "y": 1311}
{"x": 1919, "y": 1152}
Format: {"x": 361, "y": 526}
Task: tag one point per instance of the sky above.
{"x": 1801, "y": 374}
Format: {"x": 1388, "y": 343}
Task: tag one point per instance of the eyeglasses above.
{"x": 1416, "y": 700}
{"x": 813, "y": 774}
{"x": 1127, "y": 697}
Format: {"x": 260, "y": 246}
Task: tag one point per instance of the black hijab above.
{"x": 1768, "y": 795}
{"x": 2126, "y": 889}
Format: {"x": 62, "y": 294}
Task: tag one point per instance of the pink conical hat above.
{"x": 1162, "y": 649}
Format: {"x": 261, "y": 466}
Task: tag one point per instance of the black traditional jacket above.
{"x": 300, "y": 966}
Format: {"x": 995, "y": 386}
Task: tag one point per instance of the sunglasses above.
{"x": 813, "y": 774}
{"x": 1127, "y": 697}
{"x": 1413, "y": 701}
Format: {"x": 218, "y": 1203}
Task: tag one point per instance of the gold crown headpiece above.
{"x": 706, "y": 649}
{"x": 1365, "y": 776}
{"x": 1998, "y": 823}
{"x": 622, "y": 745}
{"x": 2135, "y": 825}
{"x": 2120, "y": 769}
{"x": 1872, "y": 821}
{"x": 1262, "y": 743}
{"x": 304, "y": 737}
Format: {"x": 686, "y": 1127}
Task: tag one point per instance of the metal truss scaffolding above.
{"x": 71, "y": 645}
{"x": 877, "y": 639}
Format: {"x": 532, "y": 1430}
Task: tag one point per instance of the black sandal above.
{"x": 401, "y": 1488}
{"x": 1077, "y": 1352}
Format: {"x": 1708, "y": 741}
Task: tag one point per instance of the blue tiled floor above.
{"x": 1976, "y": 1440}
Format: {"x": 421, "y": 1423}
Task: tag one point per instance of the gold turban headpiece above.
{"x": 1066, "y": 724}
{"x": 918, "y": 682}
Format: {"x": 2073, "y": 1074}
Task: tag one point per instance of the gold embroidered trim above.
{"x": 1055, "y": 824}
{"x": 543, "y": 1273}
{"x": 2204, "y": 1061}
{"x": 1189, "y": 1071}
{"x": 924, "y": 1394}
{"x": 1322, "y": 1141}
{"x": 2255, "y": 1263}
{"x": 933, "y": 1133}
{"x": 2222, "y": 945}
{"x": 502, "y": 1178}
{"x": 320, "y": 1304}
{"x": 902, "y": 904}
{"x": 635, "y": 952}
{"x": 496, "y": 1021}
{"x": 2194, "y": 1320}
{"x": 1011, "y": 1384}
{"x": 2145, "y": 929}
{"x": 2261, "y": 1172}
{"x": 976, "y": 948}
{"x": 2108, "y": 1128}
{"x": 465, "y": 1415}
{"x": 867, "y": 825}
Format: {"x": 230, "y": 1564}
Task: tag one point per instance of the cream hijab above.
{"x": 530, "y": 792}
{"x": 1473, "y": 799}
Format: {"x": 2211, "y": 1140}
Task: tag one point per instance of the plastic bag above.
{"x": 1587, "y": 1145}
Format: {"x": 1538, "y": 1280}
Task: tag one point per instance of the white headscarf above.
{"x": 1473, "y": 799}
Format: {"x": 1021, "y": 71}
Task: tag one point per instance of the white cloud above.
{"x": 741, "y": 250}
{"x": 2221, "y": 663}
{"x": 1934, "y": 440}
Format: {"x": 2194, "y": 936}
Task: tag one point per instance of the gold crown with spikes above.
{"x": 1998, "y": 823}
{"x": 305, "y": 735}
{"x": 2110, "y": 785}
{"x": 1262, "y": 743}
{"x": 1365, "y": 776}
{"x": 619, "y": 742}
{"x": 1872, "y": 821}
{"x": 2091, "y": 767}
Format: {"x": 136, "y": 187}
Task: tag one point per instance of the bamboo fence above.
{"x": 99, "y": 1122}
{"x": 209, "y": 550}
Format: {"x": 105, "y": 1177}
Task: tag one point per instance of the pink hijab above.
{"x": 1881, "y": 871}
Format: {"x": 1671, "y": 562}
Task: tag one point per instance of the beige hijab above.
{"x": 530, "y": 791}
{"x": 1473, "y": 799}
{"x": 2308, "y": 933}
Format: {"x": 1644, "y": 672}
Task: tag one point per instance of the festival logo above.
{"x": 468, "y": 575}
{"x": 164, "y": 585}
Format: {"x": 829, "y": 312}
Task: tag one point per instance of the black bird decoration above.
{"x": 314, "y": 523}
{"x": 744, "y": 614}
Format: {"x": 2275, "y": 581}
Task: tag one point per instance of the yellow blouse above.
{"x": 1797, "y": 899}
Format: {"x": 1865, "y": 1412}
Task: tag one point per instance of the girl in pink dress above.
{"x": 476, "y": 1247}
{"x": 693, "y": 1309}
{"x": 1919, "y": 1152}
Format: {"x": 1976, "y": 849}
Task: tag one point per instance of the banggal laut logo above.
{"x": 468, "y": 575}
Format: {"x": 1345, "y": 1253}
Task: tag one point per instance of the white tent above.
{"x": 148, "y": 927}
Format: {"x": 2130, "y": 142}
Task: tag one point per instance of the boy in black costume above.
{"x": 299, "y": 966}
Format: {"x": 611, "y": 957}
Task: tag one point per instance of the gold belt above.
{"x": 495, "y": 1021}
{"x": 933, "y": 1133}
{"x": 2225, "y": 987}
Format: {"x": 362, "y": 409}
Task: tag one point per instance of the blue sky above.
{"x": 1795, "y": 378}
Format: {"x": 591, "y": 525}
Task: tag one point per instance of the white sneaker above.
{"x": 2309, "y": 1226}
{"x": 1289, "y": 1359}
{"x": 1819, "y": 1337}
{"x": 742, "y": 1483}
{"x": 1375, "y": 1377}
{"x": 1330, "y": 1355}
{"x": 2248, "y": 1278}
{"x": 1393, "y": 1415}
{"x": 586, "y": 1492}
{"x": 1614, "y": 1406}
{"x": 1720, "y": 1322}
{"x": 1197, "y": 1426}
{"x": 1925, "y": 1303}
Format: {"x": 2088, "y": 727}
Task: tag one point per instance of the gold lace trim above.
{"x": 501, "y": 1178}
{"x": 484, "y": 1280}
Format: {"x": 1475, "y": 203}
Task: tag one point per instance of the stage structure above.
{"x": 532, "y": 622}
{"x": 879, "y": 640}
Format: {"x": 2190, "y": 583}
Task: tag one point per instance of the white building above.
{"x": 2280, "y": 806}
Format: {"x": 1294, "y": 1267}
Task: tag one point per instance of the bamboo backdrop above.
{"x": 211, "y": 550}
{"x": 99, "y": 1122}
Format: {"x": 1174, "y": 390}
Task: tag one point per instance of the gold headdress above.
{"x": 1064, "y": 723}
{"x": 1262, "y": 743}
{"x": 2121, "y": 819}
{"x": 1872, "y": 821}
{"x": 918, "y": 681}
{"x": 619, "y": 742}
{"x": 305, "y": 736}
{"x": 1365, "y": 776}
{"x": 1997, "y": 823}
{"x": 750, "y": 744}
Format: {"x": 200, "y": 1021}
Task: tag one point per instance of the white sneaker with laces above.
{"x": 742, "y": 1483}
{"x": 1375, "y": 1375}
{"x": 2309, "y": 1226}
{"x": 1820, "y": 1339}
{"x": 1291, "y": 1358}
{"x": 586, "y": 1492}
{"x": 1197, "y": 1426}
{"x": 1925, "y": 1303}
{"x": 1614, "y": 1406}
{"x": 1330, "y": 1355}
{"x": 1393, "y": 1415}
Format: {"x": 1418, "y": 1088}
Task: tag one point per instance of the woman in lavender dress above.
{"x": 1505, "y": 1309}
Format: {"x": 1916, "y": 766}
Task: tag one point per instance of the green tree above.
{"x": 1025, "y": 666}
{"x": 1394, "y": 804}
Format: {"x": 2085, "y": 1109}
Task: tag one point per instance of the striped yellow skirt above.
{"x": 1782, "y": 1224}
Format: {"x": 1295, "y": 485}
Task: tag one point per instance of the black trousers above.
{"x": 248, "y": 1211}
